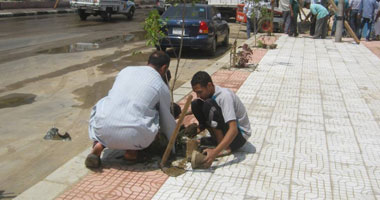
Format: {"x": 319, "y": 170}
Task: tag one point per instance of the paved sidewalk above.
{"x": 314, "y": 107}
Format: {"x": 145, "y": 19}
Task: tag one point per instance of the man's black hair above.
{"x": 159, "y": 59}
{"x": 202, "y": 78}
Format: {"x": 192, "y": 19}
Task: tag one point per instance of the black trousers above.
{"x": 312, "y": 25}
{"x": 209, "y": 115}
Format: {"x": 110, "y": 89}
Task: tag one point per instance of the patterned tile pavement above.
{"x": 314, "y": 107}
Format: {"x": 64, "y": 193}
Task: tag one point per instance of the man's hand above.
{"x": 210, "y": 157}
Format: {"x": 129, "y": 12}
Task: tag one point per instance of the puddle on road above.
{"x": 97, "y": 44}
{"x": 135, "y": 59}
{"x": 89, "y": 95}
{"x": 16, "y": 99}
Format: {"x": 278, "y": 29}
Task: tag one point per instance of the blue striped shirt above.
{"x": 136, "y": 107}
{"x": 367, "y": 8}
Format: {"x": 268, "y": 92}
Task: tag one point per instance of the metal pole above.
{"x": 339, "y": 22}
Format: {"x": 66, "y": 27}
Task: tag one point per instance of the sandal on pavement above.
{"x": 92, "y": 161}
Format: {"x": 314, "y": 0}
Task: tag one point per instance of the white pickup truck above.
{"x": 103, "y": 8}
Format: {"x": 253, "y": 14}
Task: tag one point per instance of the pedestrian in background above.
{"x": 355, "y": 21}
{"x": 248, "y": 10}
{"x": 294, "y": 9}
{"x": 367, "y": 12}
{"x": 345, "y": 13}
{"x": 313, "y": 18}
{"x": 285, "y": 8}
{"x": 322, "y": 15}
{"x": 377, "y": 22}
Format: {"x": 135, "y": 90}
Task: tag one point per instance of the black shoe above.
{"x": 92, "y": 161}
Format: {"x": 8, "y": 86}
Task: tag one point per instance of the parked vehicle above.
{"x": 204, "y": 27}
{"x": 226, "y": 7}
{"x": 262, "y": 22}
{"x": 103, "y": 8}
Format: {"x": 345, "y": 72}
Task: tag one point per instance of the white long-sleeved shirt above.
{"x": 136, "y": 107}
{"x": 248, "y": 8}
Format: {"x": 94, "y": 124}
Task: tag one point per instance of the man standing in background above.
{"x": 294, "y": 9}
{"x": 355, "y": 23}
{"x": 367, "y": 12}
{"x": 285, "y": 8}
{"x": 248, "y": 10}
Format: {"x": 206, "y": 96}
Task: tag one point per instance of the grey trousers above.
{"x": 321, "y": 28}
{"x": 286, "y": 17}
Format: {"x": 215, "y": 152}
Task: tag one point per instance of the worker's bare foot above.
{"x": 97, "y": 149}
{"x": 131, "y": 155}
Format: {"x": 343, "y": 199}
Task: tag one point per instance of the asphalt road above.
{"x": 53, "y": 69}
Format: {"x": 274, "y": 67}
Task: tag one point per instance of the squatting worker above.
{"x": 222, "y": 113}
{"x": 135, "y": 109}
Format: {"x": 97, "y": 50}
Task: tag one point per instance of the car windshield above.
{"x": 191, "y": 12}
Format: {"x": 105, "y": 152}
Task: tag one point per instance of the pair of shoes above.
{"x": 92, "y": 161}
{"x": 316, "y": 37}
{"x": 296, "y": 35}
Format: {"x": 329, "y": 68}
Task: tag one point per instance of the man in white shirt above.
{"x": 135, "y": 109}
{"x": 285, "y": 8}
{"x": 222, "y": 113}
{"x": 248, "y": 10}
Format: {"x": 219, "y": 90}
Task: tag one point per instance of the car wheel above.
{"x": 83, "y": 16}
{"x": 212, "y": 49}
{"x": 131, "y": 13}
{"x": 265, "y": 25}
{"x": 226, "y": 40}
{"x": 106, "y": 16}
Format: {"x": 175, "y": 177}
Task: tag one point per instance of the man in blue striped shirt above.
{"x": 135, "y": 109}
{"x": 367, "y": 12}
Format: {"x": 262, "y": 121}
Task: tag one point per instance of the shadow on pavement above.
{"x": 239, "y": 155}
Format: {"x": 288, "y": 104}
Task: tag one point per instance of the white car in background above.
{"x": 104, "y": 8}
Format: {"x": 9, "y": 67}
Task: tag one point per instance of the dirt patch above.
{"x": 89, "y": 95}
{"x": 16, "y": 99}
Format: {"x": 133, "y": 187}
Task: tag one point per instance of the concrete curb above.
{"x": 68, "y": 174}
{"x": 35, "y": 12}
{"x": 22, "y": 12}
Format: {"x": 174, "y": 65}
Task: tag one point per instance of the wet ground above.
{"x": 53, "y": 69}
